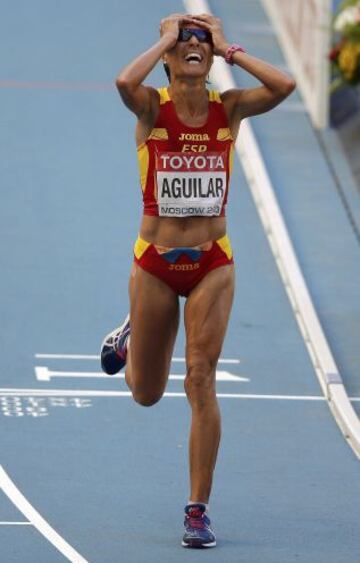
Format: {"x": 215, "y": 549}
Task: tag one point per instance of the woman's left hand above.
{"x": 214, "y": 25}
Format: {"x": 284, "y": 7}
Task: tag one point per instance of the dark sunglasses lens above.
{"x": 184, "y": 35}
{"x": 201, "y": 35}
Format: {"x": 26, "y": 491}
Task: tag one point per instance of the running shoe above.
{"x": 198, "y": 532}
{"x": 114, "y": 350}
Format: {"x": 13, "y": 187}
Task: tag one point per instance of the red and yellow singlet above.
{"x": 184, "y": 171}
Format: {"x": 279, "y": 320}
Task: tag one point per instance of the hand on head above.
{"x": 171, "y": 25}
{"x": 214, "y": 26}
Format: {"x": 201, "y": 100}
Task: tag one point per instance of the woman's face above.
{"x": 191, "y": 58}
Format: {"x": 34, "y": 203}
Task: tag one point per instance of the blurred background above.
{"x": 310, "y": 33}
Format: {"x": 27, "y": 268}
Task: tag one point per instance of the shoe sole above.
{"x": 195, "y": 544}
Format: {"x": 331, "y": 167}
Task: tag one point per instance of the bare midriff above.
{"x": 173, "y": 232}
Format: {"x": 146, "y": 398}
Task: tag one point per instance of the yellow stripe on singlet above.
{"x": 231, "y": 158}
{"x": 164, "y": 95}
{"x": 224, "y": 134}
{"x": 225, "y": 245}
{"x": 159, "y": 134}
{"x": 143, "y": 162}
{"x": 214, "y": 96}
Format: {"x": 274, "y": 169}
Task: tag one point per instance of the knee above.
{"x": 200, "y": 379}
{"x": 146, "y": 399}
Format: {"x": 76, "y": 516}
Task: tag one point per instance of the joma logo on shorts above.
{"x": 194, "y": 137}
{"x": 184, "y": 267}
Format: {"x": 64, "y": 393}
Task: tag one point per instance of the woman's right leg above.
{"x": 154, "y": 321}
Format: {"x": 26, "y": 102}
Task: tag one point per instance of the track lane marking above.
{"x": 43, "y": 373}
{"x": 97, "y": 357}
{"x": 24, "y": 506}
{"x": 19, "y": 392}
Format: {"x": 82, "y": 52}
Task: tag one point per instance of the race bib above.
{"x": 190, "y": 184}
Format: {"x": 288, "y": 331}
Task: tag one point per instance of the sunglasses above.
{"x": 201, "y": 35}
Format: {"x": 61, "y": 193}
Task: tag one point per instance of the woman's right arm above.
{"x": 137, "y": 97}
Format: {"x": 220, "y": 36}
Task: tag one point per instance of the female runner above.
{"x": 185, "y": 136}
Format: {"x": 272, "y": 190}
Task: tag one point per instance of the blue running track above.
{"x": 87, "y": 475}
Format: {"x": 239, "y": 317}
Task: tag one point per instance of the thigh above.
{"x": 154, "y": 318}
{"x": 207, "y": 313}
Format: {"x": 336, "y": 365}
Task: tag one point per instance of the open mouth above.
{"x": 193, "y": 58}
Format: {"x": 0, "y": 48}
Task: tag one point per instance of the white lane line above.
{"x": 45, "y": 374}
{"x": 18, "y": 499}
{"x": 7, "y": 392}
{"x": 16, "y": 524}
{"x": 67, "y": 356}
{"x": 94, "y": 357}
{"x": 95, "y": 393}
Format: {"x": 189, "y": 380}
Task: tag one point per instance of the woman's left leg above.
{"x": 207, "y": 312}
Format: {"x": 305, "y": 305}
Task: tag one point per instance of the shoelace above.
{"x": 114, "y": 340}
{"x": 196, "y": 522}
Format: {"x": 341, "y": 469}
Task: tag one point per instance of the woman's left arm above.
{"x": 276, "y": 85}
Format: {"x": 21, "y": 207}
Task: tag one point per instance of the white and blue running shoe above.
{"x": 198, "y": 532}
{"x": 114, "y": 348}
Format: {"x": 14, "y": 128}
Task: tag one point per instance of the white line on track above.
{"x": 18, "y": 499}
{"x": 45, "y": 374}
{"x": 95, "y": 393}
{"x": 94, "y": 357}
{"x": 67, "y": 356}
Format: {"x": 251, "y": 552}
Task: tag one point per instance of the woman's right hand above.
{"x": 169, "y": 27}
